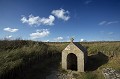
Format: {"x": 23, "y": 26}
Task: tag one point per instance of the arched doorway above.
{"x": 72, "y": 61}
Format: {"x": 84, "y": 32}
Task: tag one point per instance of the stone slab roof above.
{"x": 80, "y": 46}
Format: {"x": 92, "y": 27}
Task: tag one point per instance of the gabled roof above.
{"x": 79, "y": 46}
{"x": 76, "y": 44}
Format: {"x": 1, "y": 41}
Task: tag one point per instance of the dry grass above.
{"x": 17, "y": 55}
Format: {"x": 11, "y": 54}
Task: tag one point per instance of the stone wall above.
{"x": 71, "y": 48}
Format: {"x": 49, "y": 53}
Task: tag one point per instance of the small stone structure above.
{"x": 74, "y": 57}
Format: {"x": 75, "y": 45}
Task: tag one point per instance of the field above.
{"x": 25, "y": 59}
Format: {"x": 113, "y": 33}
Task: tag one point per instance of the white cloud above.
{"x": 10, "y": 36}
{"x": 10, "y": 29}
{"x": 112, "y": 22}
{"x": 102, "y": 23}
{"x": 40, "y": 33}
{"x": 47, "y": 40}
{"x": 82, "y": 40}
{"x": 48, "y": 21}
{"x": 108, "y": 23}
{"x": 58, "y": 39}
{"x": 32, "y": 20}
{"x": 62, "y": 14}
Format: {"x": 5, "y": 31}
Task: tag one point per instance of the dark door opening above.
{"x": 72, "y": 62}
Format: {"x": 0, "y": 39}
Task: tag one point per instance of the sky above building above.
{"x": 59, "y": 20}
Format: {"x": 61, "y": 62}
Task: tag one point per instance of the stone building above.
{"x": 74, "y": 57}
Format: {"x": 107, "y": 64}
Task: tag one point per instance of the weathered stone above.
{"x": 110, "y": 73}
{"x": 74, "y": 57}
{"x": 118, "y": 75}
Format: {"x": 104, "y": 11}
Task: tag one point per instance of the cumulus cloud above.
{"x": 36, "y": 20}
{"x": 48, "y": 21}
{"x": 40, "y": 33}
{"x": 10, "y": 29}
{"x": 58, "y": 39}
{"x": 61, "y": 14}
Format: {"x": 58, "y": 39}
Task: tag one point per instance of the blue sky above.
{"x": 59, "y": 20}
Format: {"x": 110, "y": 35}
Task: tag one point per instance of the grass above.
{"x": 20, "y": 58}
{"x": 16, "y": 58}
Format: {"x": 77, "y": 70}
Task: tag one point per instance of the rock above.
{"x": 110, "y": 73}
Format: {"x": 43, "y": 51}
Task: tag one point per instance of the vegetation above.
{"x": 21, "y": 57}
